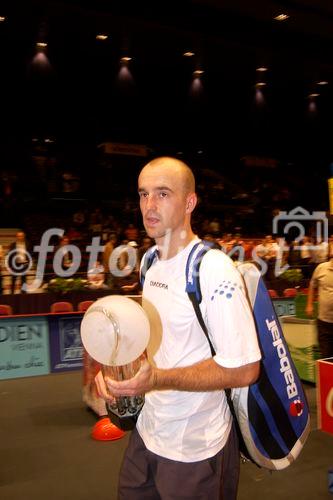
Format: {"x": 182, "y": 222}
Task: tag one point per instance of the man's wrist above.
{"x": 155, "y": 379}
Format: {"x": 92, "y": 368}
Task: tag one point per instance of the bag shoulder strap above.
{"x": 194, "y": 292}
{"x": 148, "y": 260}
{"x": 193, "y": 288}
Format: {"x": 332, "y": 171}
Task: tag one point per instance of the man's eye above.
{"x": 143, "y": 195}
{"x": 163, "y": 194}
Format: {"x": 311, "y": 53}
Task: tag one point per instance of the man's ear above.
{"x": 191, "y": 202}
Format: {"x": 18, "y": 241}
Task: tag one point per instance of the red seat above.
{"x": 289, "y": 292}
{"x": 6, "y": 310}
{"x": 60, "y": 307}
{"x": 273, "y": 293}
{"x": 83, "y": 306}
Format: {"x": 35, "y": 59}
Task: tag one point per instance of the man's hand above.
{"x": 101, "y": 387}
{"x": 141, "y": 383}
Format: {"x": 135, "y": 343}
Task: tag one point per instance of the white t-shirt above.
{"x": 192, "y": 426}
{"x": 322, "y": 279}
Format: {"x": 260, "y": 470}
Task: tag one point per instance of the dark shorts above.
{"x": 325, "y": 338}
{"x": 147, "y": 476}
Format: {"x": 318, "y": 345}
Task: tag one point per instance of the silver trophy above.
{"x": 115, "y": 332}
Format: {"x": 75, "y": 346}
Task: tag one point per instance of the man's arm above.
{"x": 204, "y": 376}
{"x": 310, "y": 300}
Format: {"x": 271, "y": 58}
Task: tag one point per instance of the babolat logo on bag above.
{"x": 272, "y": 415}
{"x": 284, "y": 360}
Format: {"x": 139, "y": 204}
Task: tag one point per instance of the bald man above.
{"x": 185, "y": 445}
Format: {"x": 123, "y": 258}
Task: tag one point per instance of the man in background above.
{"x": 19, "y": 260}
{"x": 322, "y": 282}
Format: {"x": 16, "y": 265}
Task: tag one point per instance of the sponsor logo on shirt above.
{"x": 158, "y": 284}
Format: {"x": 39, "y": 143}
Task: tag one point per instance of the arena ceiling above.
{"x": 78, "y": 94}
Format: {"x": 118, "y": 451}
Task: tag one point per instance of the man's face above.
{"x": 162, "y": 201}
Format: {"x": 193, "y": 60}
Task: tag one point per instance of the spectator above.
{"x": 322, "y": 281}
{"x": 96, "y": 276}
{"x": 19, "y": 260}
{"x": 107, "y": 252}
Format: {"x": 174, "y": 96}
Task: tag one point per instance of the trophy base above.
{"x": 124, "y": 411}
{"x": 124, "y": 423}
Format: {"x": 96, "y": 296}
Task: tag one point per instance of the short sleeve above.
{"x": 315, "y": 276}
{"x": 227, "y": 312}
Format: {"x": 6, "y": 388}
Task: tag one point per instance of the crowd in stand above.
{"x": 273, "y": 254}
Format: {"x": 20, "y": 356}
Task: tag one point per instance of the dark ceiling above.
{"x": 79, "y": 98}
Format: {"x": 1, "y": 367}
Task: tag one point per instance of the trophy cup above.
{"x": 115, "y": 332}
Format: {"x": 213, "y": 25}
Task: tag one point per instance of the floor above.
{"x": 47, "y": 452}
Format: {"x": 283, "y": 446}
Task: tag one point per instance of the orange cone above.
{"x": 105, "y": 430}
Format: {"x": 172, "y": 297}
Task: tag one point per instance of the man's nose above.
{"x": 150, "y": 202}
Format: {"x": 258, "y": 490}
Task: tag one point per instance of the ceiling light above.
{"x": 125, "y": 59}
{"x": 281, "y": 17}
{"x": 189, "y": 54}
{"x": 314, "y": 95}
{"x": 198, "y": 72}
{"x": 101, "y": 37}
{"x": 261, "y": 69}
{"x": 41, "y": 45}
{"x": 261, "y": 84}
{"x": 322, "y": 82}
{"x": 2, "y": 19}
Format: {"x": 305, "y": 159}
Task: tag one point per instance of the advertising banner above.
{"x": 301, "y": 337}
{"x": 325, "y": 394}
{"x": 24, "y": 347}
{"x": 284, "y": 307}
{"x": 65, "y": 342}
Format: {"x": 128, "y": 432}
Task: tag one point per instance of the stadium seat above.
{"x": 289, "y": 292}
{"x": 83, "y": 306}
{"x": 273, "y": 293}
{"x": 6, "y": 310}
{"x": 60, "y": 307}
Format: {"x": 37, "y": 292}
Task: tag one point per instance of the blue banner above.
{"x": 24, "y": 347}
{"x": 66, "y": 348}
{"x": 284, "y": 307}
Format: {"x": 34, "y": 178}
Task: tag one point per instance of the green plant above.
{"x": 64, "y": 285}
{"x": 292, "y": 276}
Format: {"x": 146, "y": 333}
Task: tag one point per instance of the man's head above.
{"x": 167, "y": 198}
{"x": 64, "y": 241}
{"x": 20, "y": 236}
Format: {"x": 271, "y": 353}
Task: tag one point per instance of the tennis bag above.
{"x": 272, "y": 414}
